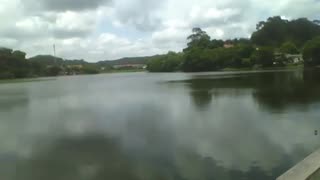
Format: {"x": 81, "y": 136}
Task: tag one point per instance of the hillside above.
{"x": 51, "y": 60}
{"x": 126, "y": 60}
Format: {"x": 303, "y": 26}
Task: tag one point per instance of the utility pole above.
{"x": 54, "y": 53}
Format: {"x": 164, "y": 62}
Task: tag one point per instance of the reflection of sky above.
{"x": 155, "y": 119}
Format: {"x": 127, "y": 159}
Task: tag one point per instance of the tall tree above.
{"x": 311, "y": 52}
{"x": 198, "y": 38}
{"x": 276, "y": 31}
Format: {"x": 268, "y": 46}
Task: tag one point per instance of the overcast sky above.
{"x": 108, "y": 29}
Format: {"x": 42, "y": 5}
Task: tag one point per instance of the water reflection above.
{"x": 289, "y": 90}
{"x": 275, "y": 91}
{"x": 97, "y": 157}
{"x": 10, "y": 99}
{"x": 199, "y": 127}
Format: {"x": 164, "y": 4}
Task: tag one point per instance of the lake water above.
{"x": 140, "y": 126}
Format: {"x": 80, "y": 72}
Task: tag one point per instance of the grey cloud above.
{"x": 142, "y": 14}
{"x": 298, "y": 9}
{"x": 64, "y": 5}
{"x": 233, "y": 12}
{"x": 208, "y": 22}
{"x": 20, "y": 34}
{"x": 63, "y": 34}
{"x": 142, "y": 23}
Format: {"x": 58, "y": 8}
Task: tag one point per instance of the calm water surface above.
{"x": 140, "y": 126}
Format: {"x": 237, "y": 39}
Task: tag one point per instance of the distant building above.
{"x": 294, "y": 58}
{"x": 228, "y": 45}
{"x": 131, "y": 66}
{"x": 79, "y": 66}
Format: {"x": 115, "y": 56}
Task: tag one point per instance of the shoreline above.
{"x": 50, "y": 78}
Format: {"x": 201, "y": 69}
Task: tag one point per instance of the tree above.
{"x": 245, "y": 50}
{"x": 90, "y": 69}
{"x": 165, "y": 63}
{"x": 5, "y": 51}
{"x": 216, "y": 44}
{"x": 198, "y": 38}
{"x": 198, "y": 59}
{"x": 276, "y": 31}
{"x": 311, "y": 52}
{"x": 271, "y": 33}
{"x": 19, "y": 54}
{"x": 53, "y": 71}
{"x": 289, "y": 48}
{"x": 263, "y": 56}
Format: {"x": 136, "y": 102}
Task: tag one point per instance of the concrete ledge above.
{"x": 305, "y": 170}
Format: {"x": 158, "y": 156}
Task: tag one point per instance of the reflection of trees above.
{"x": 274, "y": 91}
{"x": 12, "y": 99}
{"x": 284, "y": 90}
{"x": 93, "y": 158}
{"x": 99, "y": 158}
{"x": 201, "y": 98}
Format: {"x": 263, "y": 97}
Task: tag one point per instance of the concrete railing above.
{"x": 308, "y": 169}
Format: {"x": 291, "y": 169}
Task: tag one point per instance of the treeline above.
{"x": 53, "y": 66}
{"x": 14, "y": 64}
{"x": 268, "y": 46}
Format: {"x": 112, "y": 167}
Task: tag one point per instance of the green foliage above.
{"x": 216, "y": 44}
{"x": 245, "y": 50}
{"x": 270, "y": 33}
{"x": 289, "y": 48}
{"x": 13, "y": 64}
{"x": 210, "y": 59}
{"x": 198, "y": 39}
{"x": 90, "y": 69}
{"x": 311, "y": 52}
{"x": 19, "y": 54}
{"x": 53, "y": 71}
{"x": 47, "y": 60}
{"x": 264, "y": 56}
{"x": 5, "y": 51}
{"x": 197, "y": 59}
{"x": 276, "y": 31}
{"x": 165, "y": 63}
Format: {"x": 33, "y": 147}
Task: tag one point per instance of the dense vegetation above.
{"x": 13, "y": 64}
{"x": 311, "y": 53}
{"x": 268, "y": 47}
{"x": 276, "y": 31}
{"x": 165, "y": 63}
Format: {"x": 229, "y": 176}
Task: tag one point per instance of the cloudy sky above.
{"x": 108, "y": 29}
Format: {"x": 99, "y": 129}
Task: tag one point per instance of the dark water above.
{"x": 139, "y": 126}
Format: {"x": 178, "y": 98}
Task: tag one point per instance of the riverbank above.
{"x": 8, "y": 81}
{"x": 123, "y": 71}
{"x": 271, "y": 68}
{"x": 5, "y": 81}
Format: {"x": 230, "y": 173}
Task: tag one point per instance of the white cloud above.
{"x": 74, "y": 24}
{"x": 108, "y": 29}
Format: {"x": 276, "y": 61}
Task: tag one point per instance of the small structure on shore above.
{"x": 228, "y": 45}
{"x": 130, "y": 66}
{"x": 294, "y": 58}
